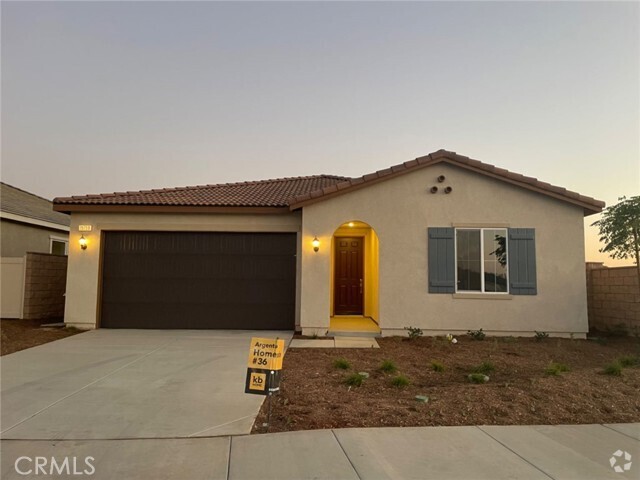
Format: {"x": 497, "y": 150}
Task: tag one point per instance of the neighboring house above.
{"x": 443, "y": 242}
{"x": 28, "y": 224}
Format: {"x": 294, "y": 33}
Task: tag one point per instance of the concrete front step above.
{"x": 337, "y": 342}
{"x": 340, "y": 333}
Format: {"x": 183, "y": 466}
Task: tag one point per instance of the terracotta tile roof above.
{"x": 263, "y": 193}
{"x": 295, "y": 192}
{"x": 20, "y": 202}
{"x": 590, "y": 205}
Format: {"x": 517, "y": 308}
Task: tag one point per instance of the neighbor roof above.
{"x": 22, "y": 203}
{"x": 296, "y": 192}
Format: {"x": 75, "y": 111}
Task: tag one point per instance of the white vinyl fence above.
{"x": 11, "y": 287}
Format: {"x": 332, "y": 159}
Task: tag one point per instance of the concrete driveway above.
{"x": 130, "y": 384}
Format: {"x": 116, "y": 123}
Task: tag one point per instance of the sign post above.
{"x": 264, "y": 367}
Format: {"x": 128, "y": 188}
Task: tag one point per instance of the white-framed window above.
{"x": 58, "y": 245}
{"x": 481, "y": 260}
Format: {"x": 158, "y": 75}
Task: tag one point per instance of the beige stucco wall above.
{"x": 84, "y": 266}
{"x": 20, "y": 238}
{"x": 401, "y": 209}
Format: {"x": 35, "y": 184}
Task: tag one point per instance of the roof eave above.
{"x": 88, "y": 208}
{"x": 40, "y": 222}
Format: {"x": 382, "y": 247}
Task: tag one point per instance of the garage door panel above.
{"x": 200, "y": 316}
{"x": 198, "y": 280}
{"x": 197, "y": 266}
{"x": 186, "y": 290}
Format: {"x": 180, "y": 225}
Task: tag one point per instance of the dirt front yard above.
{"x": 552, "y": 381}
{"x": 20, "y": 334}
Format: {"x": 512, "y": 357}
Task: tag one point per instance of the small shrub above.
{"x": 484, "y": 367}
{"x": 541, "y": 336}
{"x": 73, "y": 329}
{"x": 600, "y": 340}
{"x": 478, "y": 378}
{"x": 388, "y": 366}
{"x": 354, "y": 380}
{"x": 628, "y": 361}
{"x": 437, "y": 366}
{"x": 476, "y": 334}
{"x": 314, "y": 335}
{"x": 556, "y": 368}
{"x": 400, "y": 381}
{"x": 342, "y": 364}
{"x": 614, "y": 368}
{"x": 619, "y": 330}
{"x": 414, "y": 332}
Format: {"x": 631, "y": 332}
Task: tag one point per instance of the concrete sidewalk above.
{"x": 487, "y": 452}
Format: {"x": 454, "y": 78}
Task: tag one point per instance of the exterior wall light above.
{"x": 83, "y": 242}
{"x": 351, "y": 224}
{"x": 316, "y": 244}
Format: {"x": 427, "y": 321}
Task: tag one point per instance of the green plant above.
{"x": 484, "y": 367}
{"x": 508, "y": 339}
{"x": 556, "y": 368}
{"x": 476, "y": 334}
{"x": 388, "y": 366}
{"x": 354, "y": 380}
{"x": 629, "y": 360}
{"x": 600, "y": 340}
{"x": 614, "y": 368}
{"x": 619, "y": 230}
{"x": 541, "y": 336}
{"x": 314, "y": 335}
{"x": 73, "y": 330}
{"x": 618, "y": 330}
{"x": 414, "y": 332}
{"x": 437, "y": 366}
{"x": 478, "y": 378}
{"x": 342, "y": 363}
{"x": 400, "y": 381}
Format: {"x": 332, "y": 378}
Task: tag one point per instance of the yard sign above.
{"x": 264, "y": 366}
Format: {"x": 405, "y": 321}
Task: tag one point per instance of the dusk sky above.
{"x": 113, "y": 96}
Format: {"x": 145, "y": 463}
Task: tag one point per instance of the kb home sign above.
{"x": 264, "y": 366}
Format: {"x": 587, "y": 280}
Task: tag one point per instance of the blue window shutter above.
{"x": 442, "y": 277}
{"x": 521, "y": 256}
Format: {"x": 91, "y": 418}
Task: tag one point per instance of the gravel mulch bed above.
{"x": 314, "y": 394}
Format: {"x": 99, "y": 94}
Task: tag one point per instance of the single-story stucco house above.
{"x": 30, "y": 286}
{"x": 443, "y": 242}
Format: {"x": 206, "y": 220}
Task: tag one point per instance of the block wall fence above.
{"x": 44, "y": 286}
{"x": 613, "y": 298}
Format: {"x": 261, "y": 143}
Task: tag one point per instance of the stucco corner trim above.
{"x": 481, "y": 296}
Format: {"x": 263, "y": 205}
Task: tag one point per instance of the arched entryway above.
{"x": 354, "y": 279}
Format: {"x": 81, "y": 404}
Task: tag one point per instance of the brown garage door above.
{"x": 198, "y": 280}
